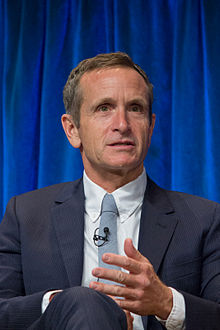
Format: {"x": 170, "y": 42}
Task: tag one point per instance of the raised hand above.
{"x": 141, "y": 291}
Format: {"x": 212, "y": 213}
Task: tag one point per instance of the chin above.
{"x": 126, "y": 162}
{"x": 123, "y": 165}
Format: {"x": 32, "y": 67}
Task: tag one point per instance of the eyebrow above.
{"x": 138, "y": 100}
{"x": 105, "y": 100}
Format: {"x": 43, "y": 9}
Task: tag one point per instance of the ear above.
{"x": 71, "y": 131}
{"x": 151, "y": 128}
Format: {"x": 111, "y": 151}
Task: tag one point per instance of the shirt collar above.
{"x": 128, "y": 197}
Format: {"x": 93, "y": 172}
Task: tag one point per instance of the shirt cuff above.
{"x": 46, "y": 299}
{"x": 176, "y": 319}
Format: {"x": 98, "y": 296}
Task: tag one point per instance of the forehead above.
{"x": 113, "y": 80}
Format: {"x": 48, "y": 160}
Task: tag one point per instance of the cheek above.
{"x": 92, "y": 142}
{"x": 87, "y": 134}
{"x": 142, "y": 134}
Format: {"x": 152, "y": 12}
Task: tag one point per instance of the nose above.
{"x": 120, "y": 121}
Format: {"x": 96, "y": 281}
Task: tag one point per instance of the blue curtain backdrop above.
{"x": 177, "y": 42}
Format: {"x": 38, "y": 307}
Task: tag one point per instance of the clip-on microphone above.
{"x": 97, "y": 237}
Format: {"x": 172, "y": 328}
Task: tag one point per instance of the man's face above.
{"x": 114, "y": 133}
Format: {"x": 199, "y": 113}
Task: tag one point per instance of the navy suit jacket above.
{"x": 41, "y": 248}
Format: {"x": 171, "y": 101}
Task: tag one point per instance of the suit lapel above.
{"x": 157, "y": 226}
{"x": 68, "y": 220}
{"x": 158, "y": 223}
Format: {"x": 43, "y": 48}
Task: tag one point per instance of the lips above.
{"x": 122, "y": 143}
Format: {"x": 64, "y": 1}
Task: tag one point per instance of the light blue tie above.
{"x": 108, "y": 229}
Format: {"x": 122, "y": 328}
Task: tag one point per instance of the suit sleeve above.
{"x": 204, "y": 312}
{"x": 17, "y": 310}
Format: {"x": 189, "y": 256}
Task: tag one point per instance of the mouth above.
{"x": 122, "y": 144}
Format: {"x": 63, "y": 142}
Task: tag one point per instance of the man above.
{"x": 47, "y": 236}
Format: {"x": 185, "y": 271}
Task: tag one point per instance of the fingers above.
{"x": 132, "y": 262}
{"x": 114, "y": 275}
{"x": 122, "y": 262}
{"x": 113, "y": 290}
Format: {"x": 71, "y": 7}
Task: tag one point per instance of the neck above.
{"x": 110, "y": 181}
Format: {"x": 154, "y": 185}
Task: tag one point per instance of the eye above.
{"x": 136, "y": 108}
{"x": 103, "y": 108}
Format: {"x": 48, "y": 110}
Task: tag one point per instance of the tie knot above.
{"x": 108, "y": 204}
